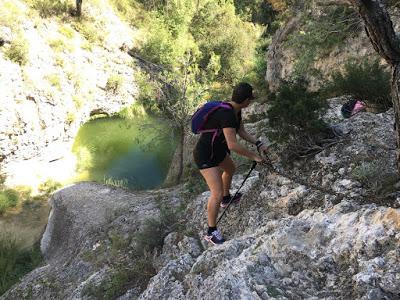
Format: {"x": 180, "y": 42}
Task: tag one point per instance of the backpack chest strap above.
{"x": 216, "y": 133}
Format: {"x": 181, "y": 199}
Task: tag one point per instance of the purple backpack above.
{"x": 201, "y": 116}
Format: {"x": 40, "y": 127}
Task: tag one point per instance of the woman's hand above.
{"x": 258, "y": 159}
{"x": 263, "y": 148}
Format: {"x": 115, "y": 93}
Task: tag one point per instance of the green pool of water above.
{"x": 133, "y": 153}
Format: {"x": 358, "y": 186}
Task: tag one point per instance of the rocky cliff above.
{"x": 316, "y": 230}
{"x": 72, "y": 70}
{"x": 300, "y": 43}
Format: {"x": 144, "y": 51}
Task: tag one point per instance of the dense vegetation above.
{"x": 202, "y": 48}
{"x": 295, "y": 112}
{"x": 368, "y": 81}
{"x": 318, "y": 34}
{"x": 15, "y": 262}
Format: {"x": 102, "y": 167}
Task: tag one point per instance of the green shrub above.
{"x": 127, "y": 8}
{"x": 256, "y": 76}
{"x": 152, "y": 235}
{"x": 11, "y": 13}
{"x": 218, "y": 31}
{"x": 3, "y": 178}
{"x": 47, "y": 8}
{"x": 368, "y": 81}
{"x": 18, "y": 51}
{"x": 318, "y": 35}
{"x": 161, "y": 47}
{"x": 67, "y": 31}
{"x": 375, "y": 177}
{"x": 58, "y": 45}
{"x": 295, "y": 112}
{"x": 147, "y": 92}
{"x": 54, "y": 80}
{"x": 71, "y": 117}
{"x": 122, "y": 279}
{"x": 59, "y": 60}
{"x": 121, "y": 183}
{"x": 12, "y": 195}
{"x": 4, "y": 204}
{"x": 90, "y": 31}
{"x": 220, "y": 42}
{"x": 195, "y": 183}
{"x": 114, "y": 83}
{"x": 15, "y": 262}
{"x": 78, "y": 100}
{"x": 8, "y": 198}
{"x": 49, "y": 186}
{"x": 256, "y": 11}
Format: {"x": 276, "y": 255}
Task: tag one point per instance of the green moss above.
{"x": 18, "y": 50}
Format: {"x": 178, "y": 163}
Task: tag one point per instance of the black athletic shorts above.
{"x": 205, "y": 159}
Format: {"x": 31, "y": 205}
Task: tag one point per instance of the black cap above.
{"x": 241, "y": 92}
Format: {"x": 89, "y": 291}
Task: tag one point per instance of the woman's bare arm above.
{"x": 233, "y": 145}
{"x": 249, "y": 138}
{"x": 245, "y": 135}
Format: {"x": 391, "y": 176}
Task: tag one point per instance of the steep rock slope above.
{"x": 86, "y": 239}
{"x": 353, "y": 44}
{"x": 309, "y": 232}
{"x": 316, "y": 233}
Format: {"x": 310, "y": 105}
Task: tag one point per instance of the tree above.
{"x": 386, "y": 43}
{"x": 179, "y": 102}
{"x": 176, "y": 93}
{"x": 78, "y": 8}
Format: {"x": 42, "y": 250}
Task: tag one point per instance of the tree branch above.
{"x": 379, "y": 28}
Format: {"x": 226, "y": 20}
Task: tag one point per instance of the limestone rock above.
{"x": 76, "y": 244}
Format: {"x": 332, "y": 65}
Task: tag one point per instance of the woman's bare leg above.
{"x": 228, "y": 168}
{"x": 214, "y": 182}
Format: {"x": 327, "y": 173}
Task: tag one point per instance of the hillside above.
{"x": 321, "y": 222}
{"x": 327, "y": 237}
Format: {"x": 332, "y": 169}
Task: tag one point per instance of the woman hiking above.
{"x": 211, "y": 154}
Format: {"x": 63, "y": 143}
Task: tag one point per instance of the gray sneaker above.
{"x": 225, "y": 201}
{"x": 214, "y": 237}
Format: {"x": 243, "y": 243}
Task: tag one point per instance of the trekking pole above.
{"x": 230, "y": 201}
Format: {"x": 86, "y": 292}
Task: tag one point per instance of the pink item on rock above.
{"x": 358, "y": 107}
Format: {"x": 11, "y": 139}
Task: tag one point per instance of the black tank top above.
{"x": 222, "y": 118}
